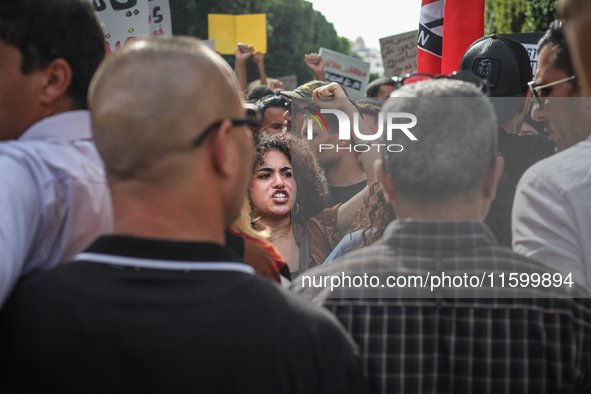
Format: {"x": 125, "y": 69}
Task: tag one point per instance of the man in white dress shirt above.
{"x": 552, "y": 208}
{"x": 54, "y": 198}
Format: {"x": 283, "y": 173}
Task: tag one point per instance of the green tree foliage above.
{"x": 539, "y": 15}
{"x": 294, "y": 29}
{"x": 518, "y": 16}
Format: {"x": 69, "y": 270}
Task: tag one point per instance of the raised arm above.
{"x": 332, "y": 96}
{"x": 316, "y": 64}
{"x": 242, "y": 53}
{"x": 259, "y": 59}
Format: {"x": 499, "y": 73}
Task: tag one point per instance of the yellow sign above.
{"x": 229, "y": 30}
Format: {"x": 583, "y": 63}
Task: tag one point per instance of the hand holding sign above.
{"x": 243, "y": 52}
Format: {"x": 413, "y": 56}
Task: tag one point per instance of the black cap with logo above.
{"x": 505, "y": 64}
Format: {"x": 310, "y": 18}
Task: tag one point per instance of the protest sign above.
{"x": 125, "y": 21}
{"x": 399, "y": 53}
{"x": 122, "y": 21}
{"x": 290, "y": 82}
{"x": 348, "y": 71}
{"x": 160, "y": 18}
{"x": 530, "y": 43}
{"x": 229, "y": 30}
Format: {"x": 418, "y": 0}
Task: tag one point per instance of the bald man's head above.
{"x": 152, "y": 98}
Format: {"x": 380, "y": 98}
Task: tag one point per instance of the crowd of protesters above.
{"x": 166, "y": 228}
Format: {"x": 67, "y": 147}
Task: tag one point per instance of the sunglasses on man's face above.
{"x": 540, "y": 92}
{"x": 252, "y": 119}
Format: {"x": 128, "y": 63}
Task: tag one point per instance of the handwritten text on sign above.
{"x": 159, "y": 19}
{"x": 123, "y": 21}
{"x": 399, "y": 53}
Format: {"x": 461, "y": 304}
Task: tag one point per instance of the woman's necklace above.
{"x": 281, "y": 236}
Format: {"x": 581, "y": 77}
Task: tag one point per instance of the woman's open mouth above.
{"x": 280, "y": 197}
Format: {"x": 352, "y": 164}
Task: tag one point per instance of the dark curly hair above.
{"x": 374, "y": 217}
{"x": 311, "y": 192}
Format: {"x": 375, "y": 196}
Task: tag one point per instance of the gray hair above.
{"x": 456, "y": 143}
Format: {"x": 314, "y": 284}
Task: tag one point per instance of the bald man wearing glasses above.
{"x": 162, "y": 305}
{"x": 552, "y": 208}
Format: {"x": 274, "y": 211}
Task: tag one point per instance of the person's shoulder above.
{"x": 377, "y": 257}
{"x": 289, "y": 305}
{"x": 40, "y": 293}
{"x": 540, "y": 141}
{"x": 565, "y": 170}
{"x": 327, "y": 215}
{"x": 379, "y": 252}
{"x": 53, "y": 159}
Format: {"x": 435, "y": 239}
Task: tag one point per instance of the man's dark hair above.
{"x": 258, "y": 92}
{"x": 273, "y": 101}
{"x": 374, "y": 88}
{"x": 555, "y": 40}
{"x": 368, "y": 100}
{"x": 369, "y": 109}
{"x": 45, "y": 30}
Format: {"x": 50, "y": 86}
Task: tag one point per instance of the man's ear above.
{"x": 58, "y": 76}
{"x": 222, "y": 162}
{"x": 492, "y": 178}
{"x": 385, "y": 180}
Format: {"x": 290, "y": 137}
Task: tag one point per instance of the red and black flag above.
{"x": 446, "y": 29}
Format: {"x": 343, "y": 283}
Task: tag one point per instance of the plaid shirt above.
{"x": 459, "y": 345}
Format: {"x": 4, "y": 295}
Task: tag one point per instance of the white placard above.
{"x": 348, "y": 71}
{"x": 159, "y": 18}
{"x": 122, "y": 21}
{"x": 399, "y": 53}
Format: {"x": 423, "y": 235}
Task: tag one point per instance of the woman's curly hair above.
{"x": 311, "y": 193}
{"x": 374, "y": 217}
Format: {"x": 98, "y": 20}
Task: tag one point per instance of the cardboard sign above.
{"x": 399, "y": 53}
{"x": 125, "y": 21}
{"x": 530, "y": 43}
{"x": 122, "y": 21}
{"x": 159, "y": 19}
{"x": 348, "y": 71}
{"x": 229, "y": 30}
{"x": 290, "y": 82}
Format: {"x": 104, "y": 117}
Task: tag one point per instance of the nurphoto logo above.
{"x": 345, "y": 129}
